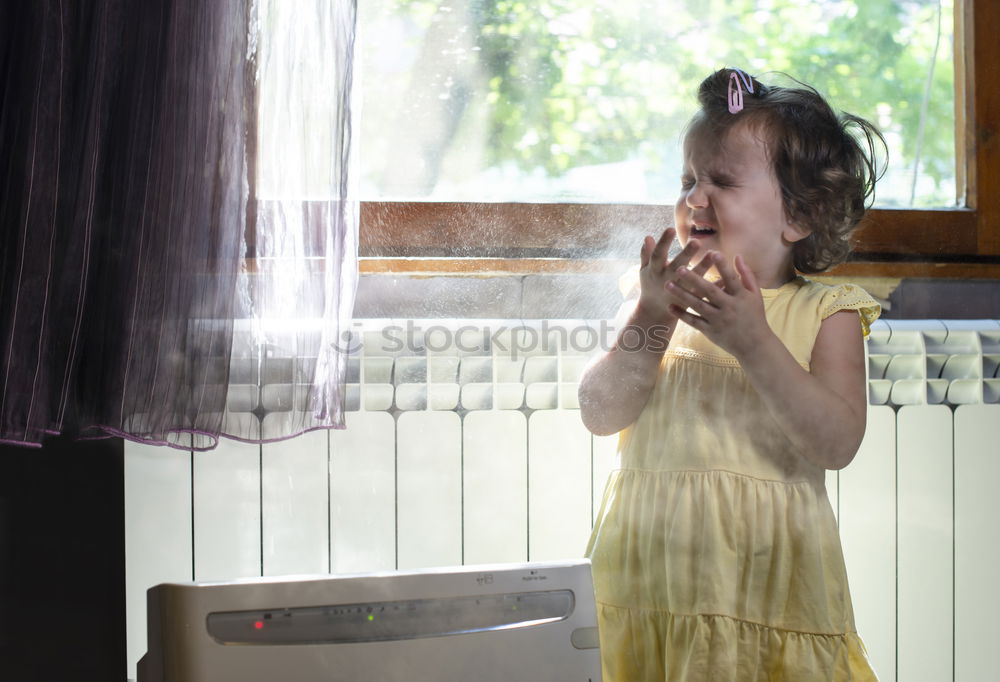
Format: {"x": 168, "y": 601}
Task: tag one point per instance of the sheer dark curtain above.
{"x": 128, "y": 136}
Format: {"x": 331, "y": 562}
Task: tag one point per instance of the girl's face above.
{"x": 730, "y": 202}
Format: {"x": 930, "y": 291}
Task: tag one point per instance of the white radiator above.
{"x": 464, "y": 446}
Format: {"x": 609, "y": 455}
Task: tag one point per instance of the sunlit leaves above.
{"x": 571, "y": 83}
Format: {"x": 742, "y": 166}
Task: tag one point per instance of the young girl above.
{"x": 716, "y": 555}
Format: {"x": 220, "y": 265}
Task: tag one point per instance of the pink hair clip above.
{"x": 735, "y": 94}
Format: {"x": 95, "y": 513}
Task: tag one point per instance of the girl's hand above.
{"x": 655, "y": 272}
{"x": 616, "y": 385}
{"x": 729, "y": 312}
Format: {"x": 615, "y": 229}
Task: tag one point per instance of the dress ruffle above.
{"x": 777, "y": 565}
{"x": 723, "y": 649}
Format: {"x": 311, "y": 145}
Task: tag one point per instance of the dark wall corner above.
{"x": 943, "y": 299}
{"x": 62, "y": 561}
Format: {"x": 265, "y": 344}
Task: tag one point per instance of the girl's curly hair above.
{"x": 825, "y": 163}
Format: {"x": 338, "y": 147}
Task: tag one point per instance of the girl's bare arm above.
{"x": 616, "y": 386}
{"x": 823, "y": 411}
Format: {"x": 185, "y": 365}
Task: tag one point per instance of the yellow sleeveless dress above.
{"x": 716, "y": 555}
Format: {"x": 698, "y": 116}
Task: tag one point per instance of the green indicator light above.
{"x": 371, "y": 616}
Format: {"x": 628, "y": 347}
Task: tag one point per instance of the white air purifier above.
{"x": 532, "y": 622}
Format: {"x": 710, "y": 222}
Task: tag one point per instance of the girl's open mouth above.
{"x": 700, "y": 231}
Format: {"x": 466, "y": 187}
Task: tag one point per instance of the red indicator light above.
{"x": 258, "y": 625}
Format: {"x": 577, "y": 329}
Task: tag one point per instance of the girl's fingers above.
{"x": 682, "y": 259}
{"x": 647, "y": 249}
{"x": 705, "y": 264}
{"x": 662, "y": 247}
{"x": 731, "y": 280}
{"x": 746, "y": 275}
{"x": 683, "y": 292}
{"x": 701, "y": 288}
{"x": 690, "y": 319}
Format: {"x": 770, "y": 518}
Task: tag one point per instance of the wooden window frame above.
{"x": 484, "y": 238}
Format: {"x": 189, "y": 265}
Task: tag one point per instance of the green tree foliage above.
{"x": 570, "y": 83}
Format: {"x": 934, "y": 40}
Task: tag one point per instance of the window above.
{"x": 585, "y": 100}
{"x": 963, "y": 241}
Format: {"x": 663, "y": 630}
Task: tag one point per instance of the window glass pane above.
{"x": 585, "y": 100}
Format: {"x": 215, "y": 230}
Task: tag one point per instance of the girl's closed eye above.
{"x": 717, "y": 180}
{"x": 723, "y": 181}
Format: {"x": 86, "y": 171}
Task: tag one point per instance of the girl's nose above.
{"x": 696, "y": 196}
